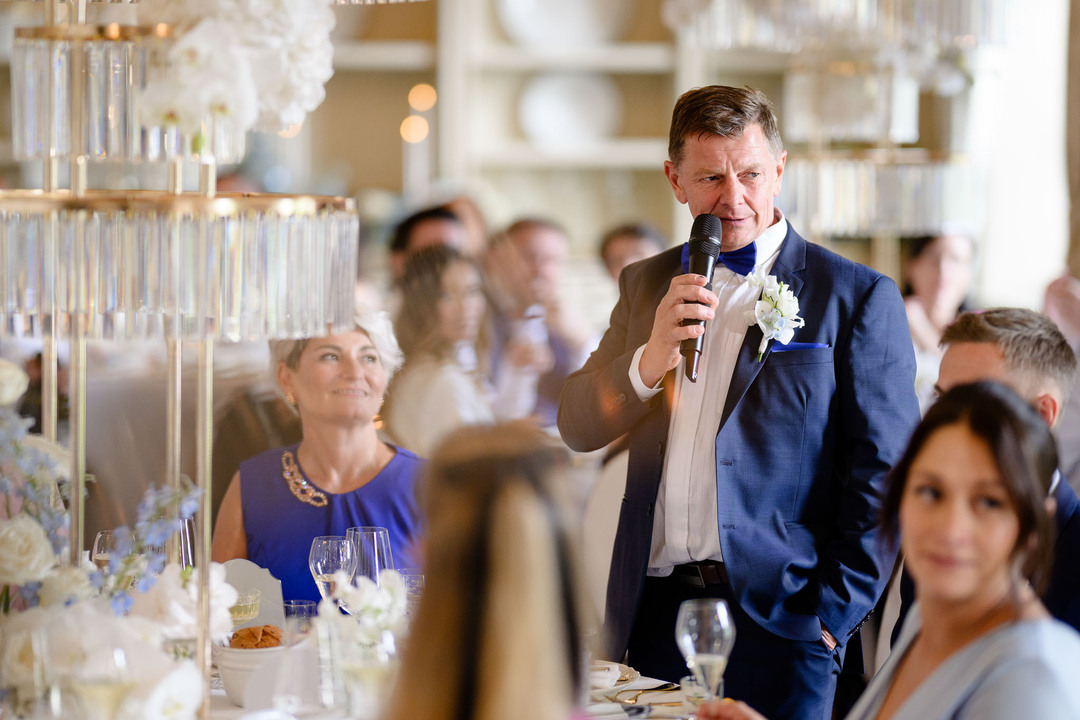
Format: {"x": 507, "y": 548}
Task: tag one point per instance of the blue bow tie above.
{"x": 740, "y": 261}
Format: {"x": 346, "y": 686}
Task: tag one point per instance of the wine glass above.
{"x": 102, "y": 683}
{"x": 331, "y": 554}
{"x": 705, "y": 634}
{"x": 104, "y": 547}
{"x": 372, "y": 546}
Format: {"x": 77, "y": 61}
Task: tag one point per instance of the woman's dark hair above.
{"x": 1023, "y": 450}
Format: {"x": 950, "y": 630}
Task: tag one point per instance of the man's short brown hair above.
{"x": 1030, "y": 342}
{"x": 722, "y": 110}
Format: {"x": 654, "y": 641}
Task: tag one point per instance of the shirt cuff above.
{"x": 643, "y": 393}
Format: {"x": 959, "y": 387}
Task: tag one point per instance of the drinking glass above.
{"x": 705, "y": 634}
{"x": 289, "y": 686}
{"x": 104, "y": 547}
{"x": 413, "y": 580}
{"x": 303, "y": 612}
{"x": 331, "y": 554}
{"x": 372, "y": 546}
{"x": 246, "y": 607}
{"x": 102, "y": 683}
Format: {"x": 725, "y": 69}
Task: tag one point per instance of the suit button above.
{"x": 660, "y": 448}
{"x": 621, "y": 398}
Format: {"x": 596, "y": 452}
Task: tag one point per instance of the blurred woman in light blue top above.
{"x": 969, "y": 500}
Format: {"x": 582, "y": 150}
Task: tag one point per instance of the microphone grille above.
{"x": 706, "y": 234}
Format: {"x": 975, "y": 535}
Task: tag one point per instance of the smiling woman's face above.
{"x": 337, "y": 377}
{"x": 958, "y": 526}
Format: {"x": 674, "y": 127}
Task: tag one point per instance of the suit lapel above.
{"x": 788, "y": 268}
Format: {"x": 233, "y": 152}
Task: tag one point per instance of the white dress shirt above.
{"x": 685, "y": 527}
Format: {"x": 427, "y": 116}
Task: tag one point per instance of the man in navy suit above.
{"x": 759, "y": 483}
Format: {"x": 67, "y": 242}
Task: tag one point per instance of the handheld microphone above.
{"x": 705, "y": 238}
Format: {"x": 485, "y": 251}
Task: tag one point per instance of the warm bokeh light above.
{"x": 414, "y": 129}
{"x": 422, "y": 97}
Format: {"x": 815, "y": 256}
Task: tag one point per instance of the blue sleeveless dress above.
{"x": 280, "y": 527}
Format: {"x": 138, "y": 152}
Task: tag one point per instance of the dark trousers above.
{"x": 780, "y": 678}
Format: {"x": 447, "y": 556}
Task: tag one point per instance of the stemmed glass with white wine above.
{"x": 104, "y": 547}
{"x": 705, "y": 634}
{"x": 331, "y": 554}
{"x": 102, "y": 683}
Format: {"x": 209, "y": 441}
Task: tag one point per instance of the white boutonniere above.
{"x": 776, "y": 313}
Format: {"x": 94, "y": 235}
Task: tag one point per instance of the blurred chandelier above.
{"x": 191, "y": 267}
{"x": 794, "y": 25}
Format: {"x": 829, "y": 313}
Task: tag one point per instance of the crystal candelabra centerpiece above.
{"x": 192, "y": 267}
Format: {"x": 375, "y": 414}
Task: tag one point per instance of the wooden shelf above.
{"x": 404, "y": 56}
{"x": 627, "y": 58}
{"x": 615, "y": 154}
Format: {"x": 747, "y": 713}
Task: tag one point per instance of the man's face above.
{"x": 968, "y": 362}
{"x": 736, "y": 179}
{"x": 543, "y": 253}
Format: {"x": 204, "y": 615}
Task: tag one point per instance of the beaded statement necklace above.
{"x": 300, "y": 488}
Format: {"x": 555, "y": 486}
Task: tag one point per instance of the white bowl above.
{"x": 237, "y": 665}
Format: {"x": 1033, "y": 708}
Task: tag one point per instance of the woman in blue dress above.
{"x": 340, "y": 475}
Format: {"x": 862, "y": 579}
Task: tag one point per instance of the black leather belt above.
{"x": 701, "y": 574}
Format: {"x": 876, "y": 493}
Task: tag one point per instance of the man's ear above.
{"x": 672, "y": 172}
{"x": 1049, "y": 407}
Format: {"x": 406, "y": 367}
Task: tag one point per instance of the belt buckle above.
{"x": 696, "y": 580}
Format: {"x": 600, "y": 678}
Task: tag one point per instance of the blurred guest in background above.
{"x": 340, "y": 475}
{"x": 444, "y": 383}
{"x": 938, "y": 275}
{"x": 968, "y": 502}
{"x": 472, "y": 217}
{"x": 526, "y": 264}
{"x": 424, "y": 228}
{"x": 499, "y": 629}
{"x": 629, "y": 243}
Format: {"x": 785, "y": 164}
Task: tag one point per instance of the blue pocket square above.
{"x": 777, "y": 347}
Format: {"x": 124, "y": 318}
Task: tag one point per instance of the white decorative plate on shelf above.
{"x": 569, "y": 110}
{"x": 564, "y": 23}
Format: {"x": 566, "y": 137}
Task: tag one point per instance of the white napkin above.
{"x": 603, "y": 674}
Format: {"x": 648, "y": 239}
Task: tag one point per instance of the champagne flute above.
{"x": 331, "y": 554}
{"x": 413, "y": 580}
{"x": 705, "y": 634}
{"x": 372, "y": 546}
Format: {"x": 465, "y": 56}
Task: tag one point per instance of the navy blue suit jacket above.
{"x": 803, "y": 447}
{"x": 1062, "y": 597}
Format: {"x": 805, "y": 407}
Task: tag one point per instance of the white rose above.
{"x": 176, "y": 696}
{"x": 64, "y": 585}
{"x": 13, "y": 382}
{"x": 16, "y": 645}
{"x": 25, "y": 552}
